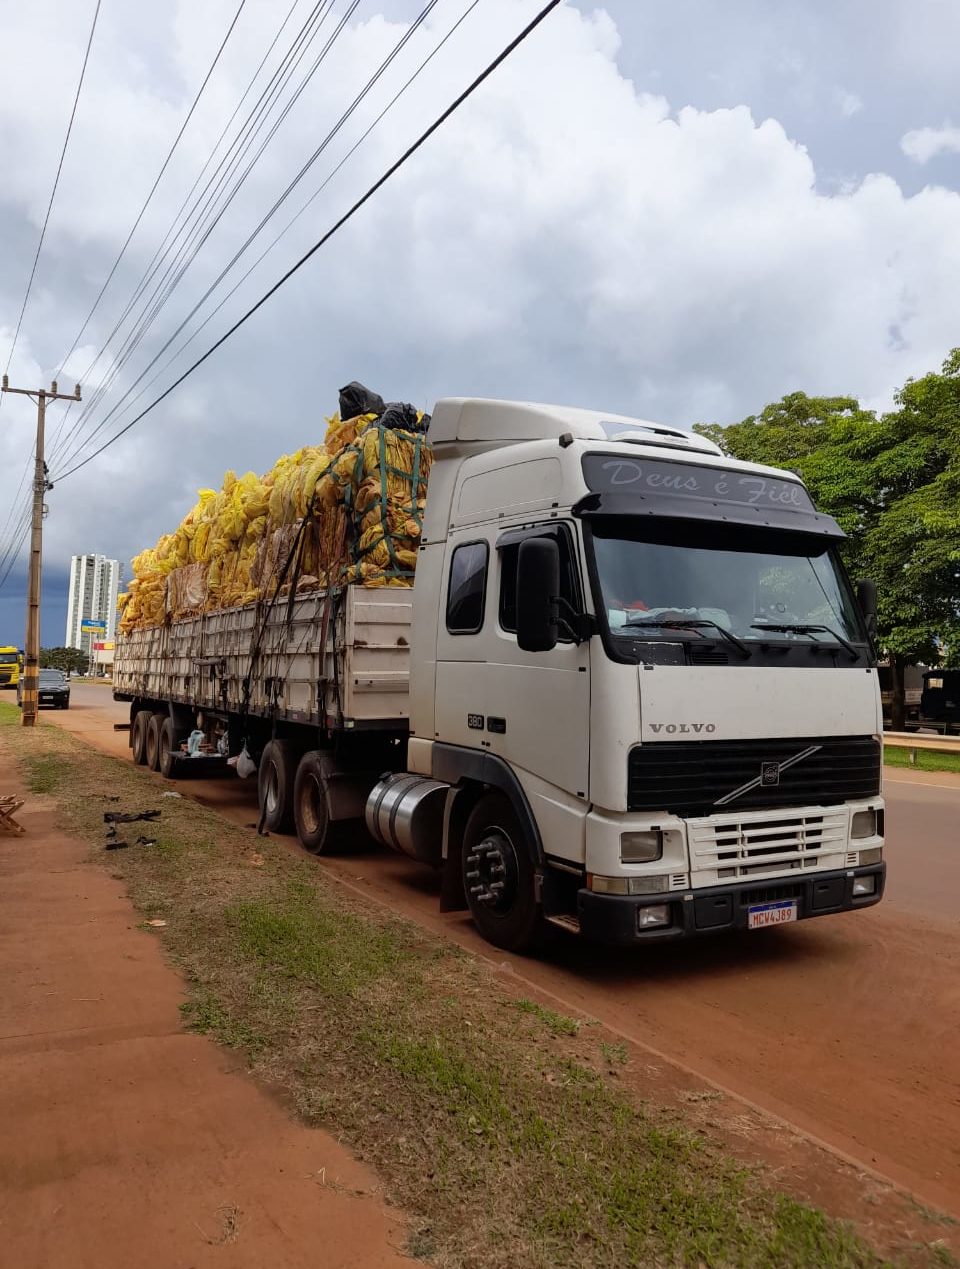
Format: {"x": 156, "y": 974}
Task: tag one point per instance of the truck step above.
{"x": 568, "y": 923}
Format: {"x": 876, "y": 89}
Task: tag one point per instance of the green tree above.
{"x": 893, "y": 484}
{"x": 70, "y": 660}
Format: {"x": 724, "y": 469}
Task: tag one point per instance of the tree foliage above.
{"x": 893, "y": 483}
{"x": 70, "y": 660}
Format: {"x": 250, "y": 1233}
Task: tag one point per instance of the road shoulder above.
{"x": 127, "y": 1138}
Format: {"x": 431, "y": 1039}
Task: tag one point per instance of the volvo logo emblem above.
{"x": 769, "y": 777}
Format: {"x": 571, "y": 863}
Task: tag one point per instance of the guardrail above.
{"x": 914, "y": 741}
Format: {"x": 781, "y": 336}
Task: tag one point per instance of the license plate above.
{"x": 764, "y": 914}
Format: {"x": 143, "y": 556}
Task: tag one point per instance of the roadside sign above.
{"x": 103, "y": 646}
{"x": 88, "y": 624}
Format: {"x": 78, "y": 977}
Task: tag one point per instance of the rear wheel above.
{"x": 498, "y": 877}
{"x": 169, "y": 742}
{"x": 152, "y": 746}
{"x": 138, "y": 736}
{"x": 275, "y": 781}
{"x": 317, "y": 832}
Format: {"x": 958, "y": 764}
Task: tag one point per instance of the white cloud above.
{"x": 848, "y": 103}
{"x": 924, "y": 144}
{"x": 566, "y": 237}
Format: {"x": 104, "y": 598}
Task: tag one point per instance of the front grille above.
{"x": 771, "y": 894}
{"x": 691, "y": 778}
{"x": 753, "y": 844}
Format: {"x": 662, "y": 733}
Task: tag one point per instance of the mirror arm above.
{"x": 580, "y": 626}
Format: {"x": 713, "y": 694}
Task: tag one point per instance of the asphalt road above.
{"x": 845, "y": 1026}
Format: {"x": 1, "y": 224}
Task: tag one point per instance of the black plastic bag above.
{"x": 356, "y": 399}
{"x": 403, "y": 418}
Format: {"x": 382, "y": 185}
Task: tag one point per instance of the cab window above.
{"x": 467, "y": 588}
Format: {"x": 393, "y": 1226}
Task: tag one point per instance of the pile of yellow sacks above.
{"x": 347, "y": 511}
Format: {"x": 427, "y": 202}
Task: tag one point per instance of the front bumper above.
{"x": 613, "y": 918}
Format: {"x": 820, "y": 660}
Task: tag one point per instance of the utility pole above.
{"x": 31, "y": 658}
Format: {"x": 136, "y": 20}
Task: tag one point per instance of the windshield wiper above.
{"x": 691, "y": 623}
{"x": 788, "y": 627}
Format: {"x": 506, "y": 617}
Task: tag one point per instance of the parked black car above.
{"x": 54, "y": 689}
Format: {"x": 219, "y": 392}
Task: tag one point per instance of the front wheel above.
{"x": 498, "y": 877}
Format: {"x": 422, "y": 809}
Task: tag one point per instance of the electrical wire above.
{"x": 290, "y": 223}
{"x": 43, "y": 233}
{"x": 348, "y": 215}
{"x": 153, "y": 187}
{"x": 12, "y": 553}
{"x": 145, "y": 278}
{"x": 208, "y": 210}
{"x": 408, "y": 34}
{"x": 56, "y": 182}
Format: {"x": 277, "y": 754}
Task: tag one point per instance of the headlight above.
{"x": 656, "y": 914}
{"x": 872, "y": 856}
{"x": 627, "y": 885}
{"x": 641, "y": 847}
{"x": 864, "y": 885}
{"x": 863, "y": 824}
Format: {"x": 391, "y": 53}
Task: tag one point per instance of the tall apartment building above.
{"x": 94, "y": 581}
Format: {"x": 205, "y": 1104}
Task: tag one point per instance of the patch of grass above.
{"x": 9, "y": 715}
{"x": 613, "y": 1054}
{"x": 556, "y": 1023}
{"x": 506, "y": 1151}
{"x": 46, "y": 772}
{"x": 927, "y": 759}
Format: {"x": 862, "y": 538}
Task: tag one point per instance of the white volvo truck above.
{"x": 632, "y": 694}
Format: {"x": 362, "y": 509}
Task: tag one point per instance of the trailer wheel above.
{"x": 138, "y": 736}
{"x": 275, "y": 780}
{"x": 317, "y": 832}
{"x": 498, "y": 877}
{"x": 169, "y": 747}
{"x": 152, "y": 748}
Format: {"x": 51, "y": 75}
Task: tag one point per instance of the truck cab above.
{"x": 644, "y": 701}
{"x": 11, "y": 666}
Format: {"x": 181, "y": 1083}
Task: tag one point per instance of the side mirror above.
{"x": 867, "y": 599}
{"x": 538, "y": 590}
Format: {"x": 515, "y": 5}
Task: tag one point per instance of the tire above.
{"x": 152, "y": 746}
{"x": 138, "y": 736}
{"x": 316, "y": 831}
{"x": 169, "y": 742}
{"x": 498, "y": 877}
{"x": 275, "y": 780}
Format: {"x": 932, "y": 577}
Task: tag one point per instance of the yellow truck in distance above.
{"x": 11, "y": 664}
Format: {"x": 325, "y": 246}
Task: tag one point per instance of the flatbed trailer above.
{"x": 337, "y": 662}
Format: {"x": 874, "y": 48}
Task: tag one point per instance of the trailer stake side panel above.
{"x": 340, "y": 659}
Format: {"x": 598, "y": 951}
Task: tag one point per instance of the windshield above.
{"x": 51, "y": 677}
{"x": 738, "y": 579}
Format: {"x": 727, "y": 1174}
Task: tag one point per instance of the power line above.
{"x": 348, "y": 215}
{"x": 56, "y": 182}
{"x": 206, "y": 79}
{"x": 252, "y": 125}
{"x": 290, "y": 223}
{"x": 12, "y": 553}
{"x": 43, "y": 234}
{"x": 408, "y": 34}
{"x": 153, "y": 187}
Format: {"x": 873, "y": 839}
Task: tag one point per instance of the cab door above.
{"x": 532, "y": 709}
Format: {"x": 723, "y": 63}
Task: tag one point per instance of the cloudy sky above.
{"x": 679, "y": 211}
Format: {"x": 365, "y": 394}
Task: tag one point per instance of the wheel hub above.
{"x": 490, "y": 871}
